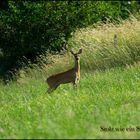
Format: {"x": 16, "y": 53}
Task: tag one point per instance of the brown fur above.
{"x": 70, "y": 76}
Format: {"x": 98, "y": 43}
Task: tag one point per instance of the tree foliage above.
{"x": 30, "y": 28}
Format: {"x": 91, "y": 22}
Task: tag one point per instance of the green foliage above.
{"x": 107, "y": 99}
{"x": 29, "y": 28}
{"x": 34, "y": 27}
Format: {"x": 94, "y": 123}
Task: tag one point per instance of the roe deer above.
{"x": 70, "y": 76}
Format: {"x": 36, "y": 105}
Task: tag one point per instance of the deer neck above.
{"x": 77, "y": 65}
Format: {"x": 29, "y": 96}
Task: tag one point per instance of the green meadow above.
{"x": 106, "y": 103}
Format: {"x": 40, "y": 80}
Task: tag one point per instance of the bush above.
{"x": 29, "y": 28}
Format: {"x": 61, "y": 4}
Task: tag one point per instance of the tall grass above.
{"x": 105, "y": 99}
{"x": 98, "y": 44}
{"x": 98, "y": 47}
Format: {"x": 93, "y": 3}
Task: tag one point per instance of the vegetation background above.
{"x": 32, "y": 39}
{"x": 30, "y": 28}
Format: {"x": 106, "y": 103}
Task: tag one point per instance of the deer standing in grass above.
{"x": 70, "y": 76}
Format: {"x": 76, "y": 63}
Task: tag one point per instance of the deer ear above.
{"x": 72, "y": 52}
{"x": 80, "y": 51}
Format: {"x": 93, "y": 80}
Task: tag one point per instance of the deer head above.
{"x": 76, "y": 55}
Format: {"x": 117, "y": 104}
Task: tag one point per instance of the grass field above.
{"x": 103, "y": 99}
{"x": 106, "y": 103}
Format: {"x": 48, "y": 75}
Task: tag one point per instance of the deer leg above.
{"x": 55, "y": 87}
{"x": 74, "y": 84}
{"x": 51, "y": 89}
